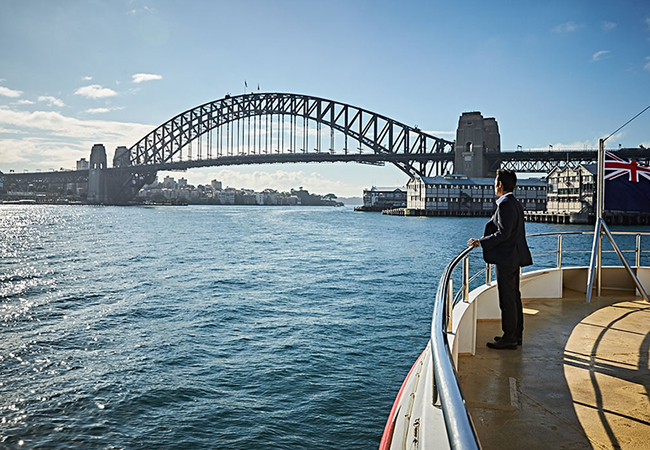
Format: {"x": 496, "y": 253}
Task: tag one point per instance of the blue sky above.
{"x": 74, "y": 73}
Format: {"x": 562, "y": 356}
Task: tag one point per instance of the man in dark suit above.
{"x": 504, "y": 245}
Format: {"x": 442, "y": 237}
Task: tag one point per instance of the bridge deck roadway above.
{"x": 520, "y": 161}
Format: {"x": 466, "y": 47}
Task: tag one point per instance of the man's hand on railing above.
{"x": 473, "y": 242}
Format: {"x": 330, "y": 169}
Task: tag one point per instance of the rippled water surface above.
{"x": 212, "y": 327}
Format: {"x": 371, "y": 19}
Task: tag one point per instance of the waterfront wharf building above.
{"x": 572, "y": 190}
{"x": 380, "y": 198}
{"x": 459, "y": 195}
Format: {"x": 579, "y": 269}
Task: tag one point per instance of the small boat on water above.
{"x": 580, "y": 379}
{"x": 19, "y": 202}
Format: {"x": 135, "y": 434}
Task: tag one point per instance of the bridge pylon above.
{"x": 118, "y": 185}
{"x": 477, "y": 137}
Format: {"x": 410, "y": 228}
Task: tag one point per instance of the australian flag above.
{"x": 627, "y": 184}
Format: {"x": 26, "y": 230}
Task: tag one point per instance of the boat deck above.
{"x": 581, "y": 380}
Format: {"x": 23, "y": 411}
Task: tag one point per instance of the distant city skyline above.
{"x": 559, "y": 74}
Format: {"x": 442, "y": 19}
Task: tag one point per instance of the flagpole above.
{"x": 600, "y": 186}
{"x": 595, "y": 262}
{"x": 601, "y": 206}
{"x": 595, "y": 265}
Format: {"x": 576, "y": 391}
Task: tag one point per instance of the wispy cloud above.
{"x": 140, "y": 77}
{"x": 566, "y": 27}
{"x": 609, "y": 26}
{"x": 87, "y": 78}
{"x": 95, "y": 91}
{"x": 103, "y": 110}
{"x": 59, "y": 125}
{"x": 436, "y": 133}
{"x": 144, "y": 9}
{"x": 51, "y": 139}
{"x": 647, "y": 22}
{"x": 647, "y": 64}
{"x": 52, "y": 101}
{"x": 5, "y": 91}
{"x": 48, "y": 153}
{"x": 599, "y": 55}
{"x": 11, "y": 131}
{"x": 563, "y": 146}
{"x": 24, "y": 102}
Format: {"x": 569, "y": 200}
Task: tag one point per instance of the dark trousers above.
{"x": 512, "y": 316}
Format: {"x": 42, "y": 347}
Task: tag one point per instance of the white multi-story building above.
{"x": 459, "y": 194}
{"x": 572, "y": 190}
{"x": 83, "y": 164}
{"x": 226, "y": 197}
{"x": 380, "y": 198}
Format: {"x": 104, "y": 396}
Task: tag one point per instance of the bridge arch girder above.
{"x": 376, "y": 132}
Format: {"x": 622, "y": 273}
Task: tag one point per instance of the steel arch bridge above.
{"x": 280, "y": 127}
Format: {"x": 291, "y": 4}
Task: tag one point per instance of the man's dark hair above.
{"x": 507, "y": 178}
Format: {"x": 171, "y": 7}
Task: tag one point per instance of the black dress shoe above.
{"x": 498, "y": 338}
{"x": 502, "y": 345}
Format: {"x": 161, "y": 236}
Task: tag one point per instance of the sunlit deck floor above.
{"x": 581, "y": 379}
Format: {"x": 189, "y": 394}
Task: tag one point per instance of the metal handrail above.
{"x": 446, "y": 387}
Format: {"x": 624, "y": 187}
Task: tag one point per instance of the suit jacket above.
{"x": 504, "y": 239}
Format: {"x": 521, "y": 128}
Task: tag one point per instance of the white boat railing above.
{"x": 446, "y": 386}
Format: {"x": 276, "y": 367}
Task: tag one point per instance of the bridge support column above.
{"x": 96, "y": 175}
{"x": 475, "y": 137}
{"x": 120, "y": 184}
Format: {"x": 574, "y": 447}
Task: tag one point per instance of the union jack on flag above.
{"x": 615, "y": 167}
{"x": 627, "y": 185}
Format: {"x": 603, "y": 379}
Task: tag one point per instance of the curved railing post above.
{"x": 466, "y": 279}
{"x": 460, "y": 429}
{"x": 450, "y": 306}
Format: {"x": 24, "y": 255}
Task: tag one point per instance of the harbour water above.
{"x": 212, "y": 327}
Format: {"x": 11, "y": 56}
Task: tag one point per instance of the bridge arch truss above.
{"x": 281, "y": 127}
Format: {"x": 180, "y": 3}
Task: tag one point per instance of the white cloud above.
{"x": 103, "y": 110}
{"x": 609, "y": 26}
{"x": 47, "y": 153}
{"x": 24, "y": 102}
{"x": 560, "y": 146}
{"x": 51, "y": 139}
{"x": 566, "y": 27}
{"x": 60, "y": 125}
{"x": 140, "y": 77}
{"x": 11, "y": 131}
{"x": 647, "y": 22}
{"x": 87, "y": 78}
{"x": 598, "y": 55}
{"x": 5, "y": 91}
{"x": 95, "y": 91}
{"x": 647, "y": 64}
{"x": 52, "y": 101}
{"x": 437, "y": 133}
{"x": 145, "y": 9}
